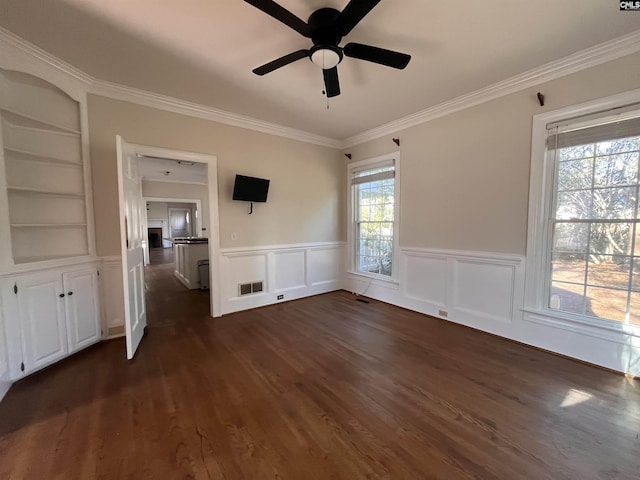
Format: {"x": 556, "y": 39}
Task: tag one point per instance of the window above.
{"x": 592, "y": 251}
{"x": 373, "y": 185}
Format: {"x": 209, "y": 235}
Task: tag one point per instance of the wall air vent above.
{"x": 250, "y": 288}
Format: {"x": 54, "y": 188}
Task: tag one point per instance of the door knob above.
{"x": 69, "y": 293}
{"x": 61, "y": 295}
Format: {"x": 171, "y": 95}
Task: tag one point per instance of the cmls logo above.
{"x": 630, "y": 5}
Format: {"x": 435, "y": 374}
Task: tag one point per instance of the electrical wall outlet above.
{"x": 443, "y": 313}
{"x": 280, "y": 297}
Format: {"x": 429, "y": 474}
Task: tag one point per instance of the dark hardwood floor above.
{"x": 320, "y": 388}
{"x": 168, "y": 301}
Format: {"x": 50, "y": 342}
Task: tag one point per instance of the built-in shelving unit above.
{"x": 44, "y": 169}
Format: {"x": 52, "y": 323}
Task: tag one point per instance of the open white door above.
{"x": 131, "y": 222}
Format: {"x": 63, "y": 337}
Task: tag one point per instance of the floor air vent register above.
{"x": 249, "y": 288}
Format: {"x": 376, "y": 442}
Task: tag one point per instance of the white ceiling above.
{"x": 203, "y": 51}
{"x": 166, "y": 170}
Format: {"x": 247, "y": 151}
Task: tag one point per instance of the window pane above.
{"x": 635, "y": 280}
{"x": 575, "y": 174}
{"x": 610, "y": 271}
{"x": 634, "y": 308}
{"x": 593, "y": 224}
{"x": 568, "y": 267}
{"x": 574, "y": 205}
{"x": 581, "y": 151}
{"x": 606, "y": 303}
{"x": 567, "y": 297}
{"x": 614, "y": 203}
{"x": 609, "y": 239}
{"x": 618, "y": 146}
{"x": 570, "y": 237}
{"x": 616, "y": 169}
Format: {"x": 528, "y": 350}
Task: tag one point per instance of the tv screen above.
{"x": 250, "y": 189}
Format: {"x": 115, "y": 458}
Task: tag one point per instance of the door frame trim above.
{"x": 214, "y": 216}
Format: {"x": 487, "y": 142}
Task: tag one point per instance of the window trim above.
{"x": 539, "y": 234}
{"x": 352, "y": 217}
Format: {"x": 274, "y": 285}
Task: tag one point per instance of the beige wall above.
{"x": 465, "y": 177}
{"x": 306, "y": 196}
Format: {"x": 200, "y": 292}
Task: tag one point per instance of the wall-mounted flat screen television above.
{"x": 250, "y": 189}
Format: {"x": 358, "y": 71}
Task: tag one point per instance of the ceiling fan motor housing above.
{"x": 324, "y": 28}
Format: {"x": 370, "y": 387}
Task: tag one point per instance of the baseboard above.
{"x": 485, "y": 291}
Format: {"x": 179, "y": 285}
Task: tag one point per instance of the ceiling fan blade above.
{"x": 377, "y": 55}
{"x": 355, "y": 11}
{"x": 280, "y": 62}
{"x": 331, "y": 82}
{"x": 283, "y": 15}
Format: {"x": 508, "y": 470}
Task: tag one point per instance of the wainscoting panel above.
{"x": 425, "y": 277}
{"x": 239, "y": 269}
{"x": 483, "y": 289}
{"x": 326, "y": 265}
{"x": 293, "y": 271}
{"x": 290, "y": 270}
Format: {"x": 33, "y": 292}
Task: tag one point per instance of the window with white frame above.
{"x": 374, "y": 191}
{"x": 592, "y": 247}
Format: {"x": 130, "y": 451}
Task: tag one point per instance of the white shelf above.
{"x": 48, "y": 225}
{"x": 35, "y": 157}
{"x": 44, "y": 170}
{"x": 22, "y": 120}
{"x": 38, "y": 191}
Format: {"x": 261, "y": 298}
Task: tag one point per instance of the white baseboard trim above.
{"x": 485, "y": 291}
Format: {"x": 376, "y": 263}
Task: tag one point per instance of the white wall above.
{"x": 463, "y": 219}
{"x": 157, "y": 210}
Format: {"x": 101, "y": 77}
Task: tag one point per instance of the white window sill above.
{"x": 376, "y": 279}
{"x": 577, "y": 323}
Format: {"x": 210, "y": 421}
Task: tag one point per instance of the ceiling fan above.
{"x": 325, "y": 28}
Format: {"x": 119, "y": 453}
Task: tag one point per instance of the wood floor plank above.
{"x": 315, "y": 389}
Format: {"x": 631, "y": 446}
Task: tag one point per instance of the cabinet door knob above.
{"x": 69, "y": 293}
{"x": 61, "y": 295}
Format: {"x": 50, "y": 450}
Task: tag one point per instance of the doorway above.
{"x": 186, "y": 221}
{"x": 158, "y": 218}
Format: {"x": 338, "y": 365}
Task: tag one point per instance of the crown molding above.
{"x": 115, "y": 91}
{"x": 43, "y": 56}
{"x": 590, "y": 57}
{"x": 175, "y": 105}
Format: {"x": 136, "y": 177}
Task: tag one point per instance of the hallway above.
{"x": 168, "y": 301}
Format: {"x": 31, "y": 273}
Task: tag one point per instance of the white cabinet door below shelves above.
{"x": 81, "y": 301}
{"x": 41, "y": 311}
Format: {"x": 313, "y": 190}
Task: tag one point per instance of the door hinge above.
{"x": 15, "y": 288}
{"x": 22, "y": 366}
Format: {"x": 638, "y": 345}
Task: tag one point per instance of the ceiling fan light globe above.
{"x": 325, "y": 58}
